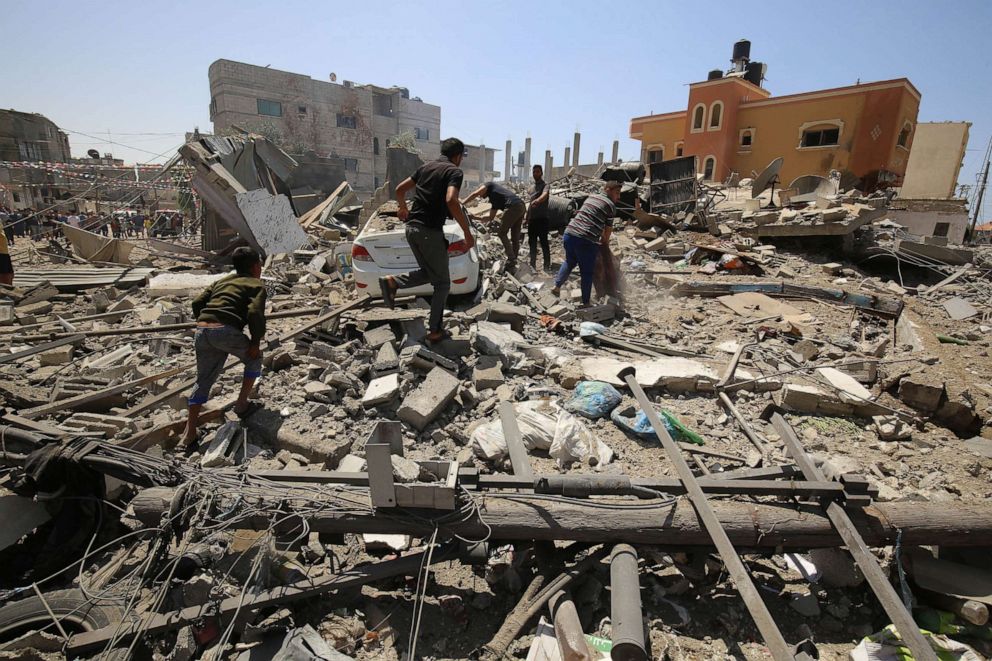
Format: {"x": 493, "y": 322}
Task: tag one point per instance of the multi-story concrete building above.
{"x": 30, "y": 137}
{"x": 349, "y": 121}
{"x": 477, "y": 165}
{"x": 734, "y": 125}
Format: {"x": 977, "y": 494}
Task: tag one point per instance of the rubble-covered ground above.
{"x": 906, "y": 404}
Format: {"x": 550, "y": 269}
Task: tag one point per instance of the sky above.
{"x": 131, "y": 77}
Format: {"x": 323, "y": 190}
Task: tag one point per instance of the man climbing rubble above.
{"x": 435, "y": 198}
{"x": 586, "y": 232}
{"x": 513, "y": 208}
{"x": 536, "y": 220}
{"x": 222, "y": 311}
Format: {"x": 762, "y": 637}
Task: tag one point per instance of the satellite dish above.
{"x": 92, "y": 153}
{"x": 334, "y": 77}
{"x": 767, "y": 178}
{"x": 813, "y": 183}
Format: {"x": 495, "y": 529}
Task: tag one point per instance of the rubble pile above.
{"x": 507, "y": 492}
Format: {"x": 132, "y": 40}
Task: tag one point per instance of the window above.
{"x": 716, "y": 115}
{"x": 383, "y": 105}
{"x": 903, "y": 140}
{"x": 376, "y": 182}
{"x": 656, "y": 154}
{"x": 347, "y": 121}
{"x": 301, "y": 110}
{"x": 270, "y": 108}
{"x": 351, "y": 164}
{"x": 941, "y": 229}
{"x": 821, "y": 137}
{"x": 709, "y": 167}
{"x": 747, "y": 136}
{"x": 679, "y": 148}
{"x": 375, "y": 146}
{"x": 422, "y": 134}
{"x": 698, "y": 117}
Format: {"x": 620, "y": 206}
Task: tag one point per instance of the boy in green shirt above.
{"x": 222, "y": 311}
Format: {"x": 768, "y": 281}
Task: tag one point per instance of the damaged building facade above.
{"x": 733, "y": 125}
{"x": 345, "y": 120}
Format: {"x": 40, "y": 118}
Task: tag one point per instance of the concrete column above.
{"x": 599, "y": 159}
{"x": 482, "y": 164}
{"x": 616, "y": 150}
{"x": 508, "y": 172}
{"x": 527, "y": 157}
{"x": 568, "y": 159}
{"x": 547, "y": 166}
{"x": 575, "y": 149}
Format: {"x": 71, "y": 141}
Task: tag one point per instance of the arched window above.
{"x": 903, "y": 140}
{"x": 825, "y": 133}
{"x": 698, "y": 117}
{"x": 656, "y": 153}
{"x": 747, "y": 137}
{"x": 679, "y": 149}
{"x": 716, "y": 115}
{"x": 709, "y": 168}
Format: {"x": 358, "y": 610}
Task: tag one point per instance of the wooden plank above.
{"x": 33, "y": 425}
{"x": 855, "y": 543}
{"x": 779, "y": 649}
{"x": 322, "y": 319}
{"x": 514, "y": 441}
{"x": 96, "y": 395}
{"x": 75, "y": 338}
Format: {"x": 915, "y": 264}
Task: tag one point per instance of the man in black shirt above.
{"x": 536, "y": 219}
{"x": 435, "y": 198}
{"x": 513, "y": 208}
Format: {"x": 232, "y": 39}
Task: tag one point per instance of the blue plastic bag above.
{"x": 593, "y": 399}
{"x": 639, "y": 426}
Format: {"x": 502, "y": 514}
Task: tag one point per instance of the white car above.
{"x": 381, "y": 249}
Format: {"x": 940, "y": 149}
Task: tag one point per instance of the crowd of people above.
{"x": 40, "y": 225}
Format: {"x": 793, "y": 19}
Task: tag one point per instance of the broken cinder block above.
{"x": 427, "y": 400}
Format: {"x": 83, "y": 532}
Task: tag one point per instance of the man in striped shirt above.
{"x": 590, "y": 228}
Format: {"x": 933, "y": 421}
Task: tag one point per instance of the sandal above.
{"x": 252, "y": 408}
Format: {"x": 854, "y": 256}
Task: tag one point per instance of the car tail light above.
{"x": 360, "y": 253}
{"x": 457, "y": 248}
{"x": 361, "y": 285}
{"x": 460, "y": 281}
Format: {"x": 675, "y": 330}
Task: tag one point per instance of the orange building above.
{"x": 734, "y": 125}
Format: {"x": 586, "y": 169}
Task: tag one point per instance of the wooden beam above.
{"x": 96, "y": 395}
{"x": 322, "y": 319}
{"x": 72, "y": 338}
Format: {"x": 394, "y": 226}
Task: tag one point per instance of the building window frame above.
{"x": 268, "y": 107}
{"x": 709, "y": 157}
{"x": 421, "y": 133}
{"x": 822, "y": 124}
{"x": 698, "y": 112}
{"x": 345, "y": 121}
{"x": 350, "y": 164}
{"x": 747, "y": 133}
{"x": 680, "y": 149}
{"x": 715, "y": 108}
{"x": 301, "y": 110}
{"x": 375, "y": 145}
{"x": 656, "y": 148}
{"x": 905, "y": 133}
{"x": 941, "y": 229}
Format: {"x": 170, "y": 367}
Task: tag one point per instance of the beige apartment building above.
{"x": 347, "y": 120}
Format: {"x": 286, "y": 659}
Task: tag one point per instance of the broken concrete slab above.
{"x": 427, "y": 400}
{"x": 351, "y": 463}
{"x": 57, "y": 356}
{"x": 488, "y": 373}
{"x": 922, "y": 392}
{"x": 501, "y": 313}
{"x": 891, "y": 428}
{"x": 270, "y": 225}
{"x": 420, "y": 357}
{"x": 378, "y": 336}
{"x": 671, "y": 372}
{"x": 181, "y": 284}
{"x": 318, "y": 446}
{"x": 959, "y": 309}
{"x": 406, "y": 470}
{"x": 381, "y": 390}
{"x": 497, "y": 340}
{"x": 35, "y": 309}
{"x": 847, "y": 387}
{"x": 217, "y": 451}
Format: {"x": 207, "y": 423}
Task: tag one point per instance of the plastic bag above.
{"x": 638, "y": 425}
{"x": 589, "y": 328}
{"x": 574, "y": 442}
{"x": 536, "y": 421}
{"x": 593, "y": 399}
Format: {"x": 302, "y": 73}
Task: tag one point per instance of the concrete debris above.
{"x": 422, "y": 406}
{"x": 381, "y": 390}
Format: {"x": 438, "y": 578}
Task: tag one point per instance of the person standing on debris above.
{"x": 536, "y": 219}
{"x": 6, "y": 266}
{"x": 590, "y": 228}
{"x": 513, "y": 208}
{"x": 435, "y": 187}
{"x": 222, "y": 311}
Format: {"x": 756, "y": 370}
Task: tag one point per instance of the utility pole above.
{"x": 980, "y": 194}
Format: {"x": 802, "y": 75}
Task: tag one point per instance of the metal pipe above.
{"x": 625, "y": 606}
{"x": 568, "y": 629}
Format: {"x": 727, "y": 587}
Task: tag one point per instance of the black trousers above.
{"x": 537, "y": 230}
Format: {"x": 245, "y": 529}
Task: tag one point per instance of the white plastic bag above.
{"x": 574, "y": 442}
{"x": 536, "y": 421}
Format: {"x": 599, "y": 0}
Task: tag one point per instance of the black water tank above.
{"x": 752, "y": 72}
{"x": 715, "y": 74}
{"x": 742, "y": 50}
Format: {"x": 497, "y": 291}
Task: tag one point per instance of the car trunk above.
{"x": 390, "y": 250}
